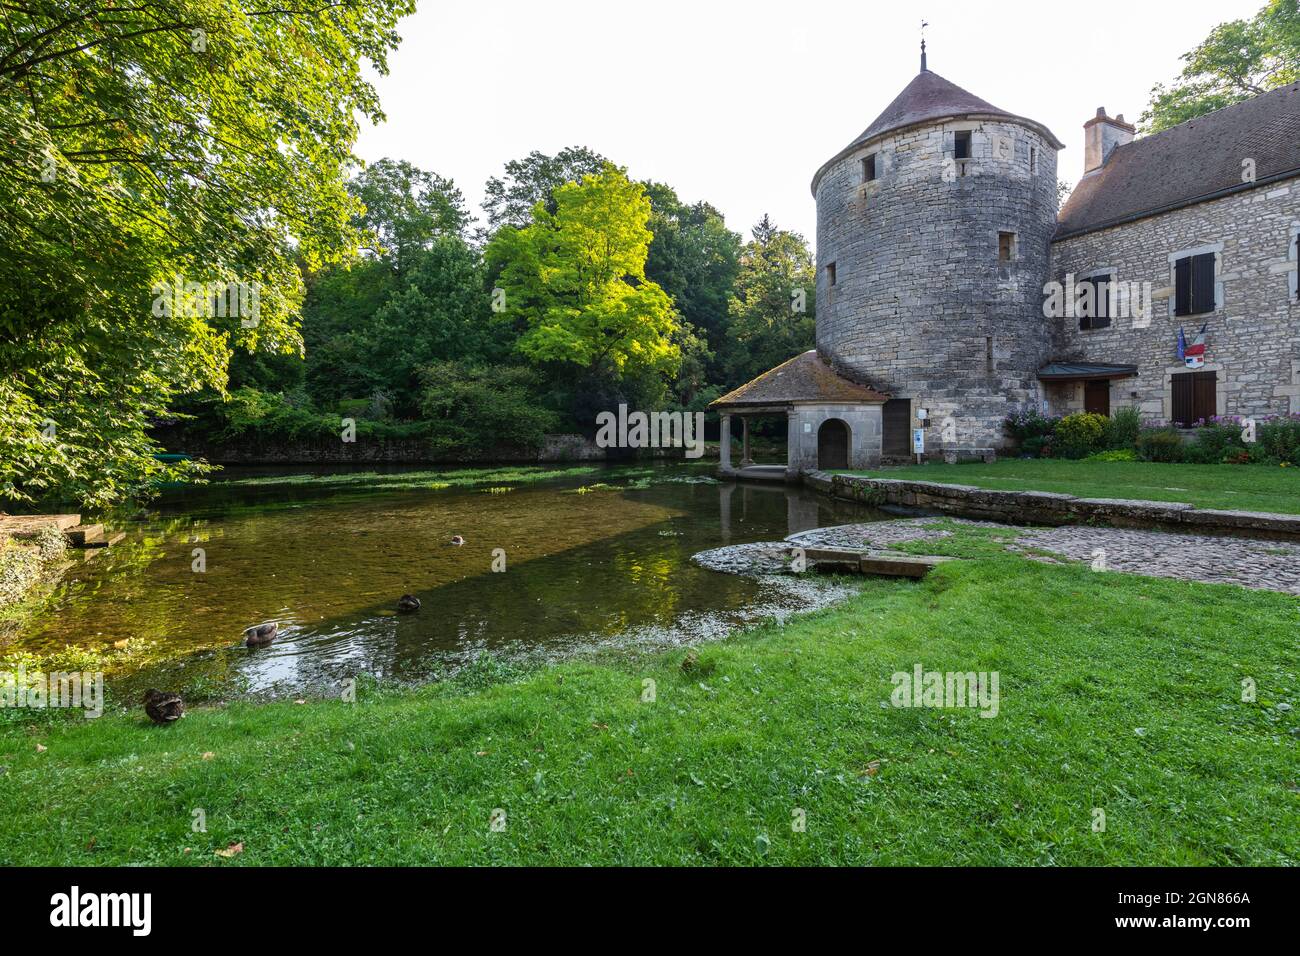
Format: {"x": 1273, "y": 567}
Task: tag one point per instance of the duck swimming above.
{"x": 408, "y": 604}
{"x": 260, "y": 635}
{"x": 457, "y": 540}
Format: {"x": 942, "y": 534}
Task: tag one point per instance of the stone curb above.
{"x": 1043, "y": 507}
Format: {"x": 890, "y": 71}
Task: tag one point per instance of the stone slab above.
{"x": 899, "y": 565}
{"x": 25, "y": 524}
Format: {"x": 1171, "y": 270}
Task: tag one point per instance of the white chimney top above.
{"x": 1101, "y": 134}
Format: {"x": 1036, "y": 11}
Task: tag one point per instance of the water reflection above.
{"x": 609, "y": 567}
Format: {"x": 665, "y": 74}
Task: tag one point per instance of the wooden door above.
{"x": 896, "y": 427}
{"x": 1195, "y": 396}
{"x": 1096, "y": 397}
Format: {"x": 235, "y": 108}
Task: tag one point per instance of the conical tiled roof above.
{"x": 928, "y": 97}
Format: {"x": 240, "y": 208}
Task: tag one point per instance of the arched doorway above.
{"x": 833, "y": 444}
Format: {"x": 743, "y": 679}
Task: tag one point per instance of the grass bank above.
{"x": 1234, "y": 487}
{"x": 1117, "y": 693}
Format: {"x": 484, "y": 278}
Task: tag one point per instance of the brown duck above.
{"x": 163, "y": 708}
{"x": 261, "y": 635}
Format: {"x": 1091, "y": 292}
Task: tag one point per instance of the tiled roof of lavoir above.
{"x": 1194, "y": 161}
{"x": 928, "y": 97}
{"x": 805, "y": 378}
{"x": 1072, "y": 371}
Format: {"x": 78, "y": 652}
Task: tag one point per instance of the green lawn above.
{"x": 1117, "y": 693}
{"x": 1236, "y": 487}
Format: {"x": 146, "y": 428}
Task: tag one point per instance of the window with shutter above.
{"x": 1203, "y": 283}
{"x": 1194, "y": 284}
{"x": 1183, "y": 286}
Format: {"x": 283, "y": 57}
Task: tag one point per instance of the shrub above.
{"x": 1030, "y": 425}
{"x": 1122, "y": 428}
{"x": 1278, "y": 440}
{"x": 1161, "y": 444}
{"x": 1215, "y": 441}
{"x": 1038, "y": 446}
{"x": 1078, "y": 436}
{"x": 471, "y": 408}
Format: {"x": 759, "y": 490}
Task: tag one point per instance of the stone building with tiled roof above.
{"x": 951, "y": 293}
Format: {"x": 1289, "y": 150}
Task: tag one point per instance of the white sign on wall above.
{"x": 918, "y": 441}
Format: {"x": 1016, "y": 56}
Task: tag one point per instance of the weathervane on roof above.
{"x": 924, "y": 69}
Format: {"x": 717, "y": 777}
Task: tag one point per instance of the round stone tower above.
{"x": 933, "y": 235}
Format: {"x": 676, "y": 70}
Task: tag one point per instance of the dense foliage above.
{"x": 147, "y": 144}
{"x": 1238, "y": 60}
{"x": 1124, "y": 436}
{"x": 190, "y": 254}
{"x": 604, "y": 291}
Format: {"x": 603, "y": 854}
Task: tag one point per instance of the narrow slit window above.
{"x": 830, "y": 274}
{"x": 1033, "y": 160}
{"x": 869, "y": 168}
{"x": 1006, "y": 246}
{"x": 961, "y": 145}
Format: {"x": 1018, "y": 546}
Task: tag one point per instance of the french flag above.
{"x": 1192, "y": 355}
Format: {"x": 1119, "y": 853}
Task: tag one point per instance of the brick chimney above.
{"x": 1101, "y": 134}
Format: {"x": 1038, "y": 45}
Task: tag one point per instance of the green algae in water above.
{"x": 327, "y": 558}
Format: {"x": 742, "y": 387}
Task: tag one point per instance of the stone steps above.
{"x": 78, "y": 535}
{"x": 84, "y": 535}
{"x": 882, "y": 563}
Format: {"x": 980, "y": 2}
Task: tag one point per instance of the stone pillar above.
{"x": 725, "y": 491}
{"x": 793, "y": 438}
{"x": 724, "y": 442}
{"x": 745, "y": 460}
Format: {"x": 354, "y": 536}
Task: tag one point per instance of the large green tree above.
{"x": 693, "y": 257}
{"x": 407, "y": 209}
{"x": 144, "y": 142}
{"x": 771, "y": 314}
{"x": 509, "y": 199}
{"x": 574, "y": 281}
{"x": 369, "y": 330}
{"x": 1238, "y": 60}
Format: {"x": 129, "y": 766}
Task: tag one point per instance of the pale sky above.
{"x": 739, "y": 103}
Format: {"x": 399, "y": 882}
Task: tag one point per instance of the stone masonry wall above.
{"x": 1254, "y": 335}
{"x": 922, "y": 308}
{"x": 804, "y": 424}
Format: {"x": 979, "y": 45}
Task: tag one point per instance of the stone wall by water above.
{"x": 1050, "y": 508}
{"x": 555, "y": 449}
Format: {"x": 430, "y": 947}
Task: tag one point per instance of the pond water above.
{"x": 604, "y": 568}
